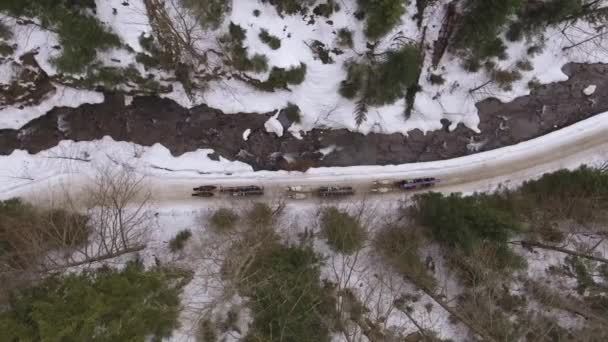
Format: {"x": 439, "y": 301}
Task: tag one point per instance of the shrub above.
{"x": 5, "y": 31}
{"x": 505, "y": 78}
{"x": 399, "y": 244}
{"x": 285, "y": 294}
{"x": 259, "y": 63}
{"x": 343, "y": 232}
{"x": 107, "y": 305}
{"x": 209, "y": 13}
{"x": 382, "y": 16}
{"x": 223, "y": 219}
{"x": 476, "y": 36}
{"x": 385, "y": 82}
{"x": 325, "y": 9}
{"x": 206, "y": 331}
{"x": 534, "y": 84}
{"x": 237, "y": 33}
{"x": 581, "y": 273}
{"x": 292, "y": 112}
{"x": 178, "y": 242}
{"x": 464, "y": 221}
{"x": 154, "y": 56}
{"x": 436, "y": 79}
{"x": 28, "y": 233}
{"x": 260, "y": 214}
{"x": 273, "y": 41}
{"x": 321, "y": 52}
{"x": 524, "y": 65}
{"x": 256, "y": 12}
{"x": 6, "y": 49}
{"x": 345, "y": 38}
{"x": 80, "y": 34}
{"x": 238, "y": 53}
{"x": 279, "y": 78}
{"x": 289, "y": 6}
{"x": 534, "y": 19}
{"x": 81, "y": 37}
{"x": 580, "y": 194}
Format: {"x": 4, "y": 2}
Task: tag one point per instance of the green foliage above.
{"x": 292, "y": 111}
{"x": 534, "y": 19}
{"x": 436, "y": 79}
{"x": 6, "y": 49}
{"x": 113, "y": 78}
{"x": 178, "y": 242}
{"x": 524, "y": 65}
{"x": 279, "y": 78}
{"x": 382, "y": 16}
{"x": 80, "y": 34}
{"x": 325, "y": 9}
{"x": 237, "y": 33}
{"x": 223, "y": 219}
{"x": 209, "y": 13}
{"x": 399, "y": 245}
{"x": 206, "y": 332}
{"x": 5, "y": 31}
{"x": 581, "y": 194}
{"x": 345, "y": 38}
{"x": 463, "y": 222}
{"x": 154, "y": 56}
{"x": 107, "y": 305}
{"x": 259, "y": 215}
{"x": 505, "y": 78}
{"x": 581, "y": 272}
{"x": 238, "y": 53}
{"x": 384, "y": 82}
{"x": 284, "y": 288}
{"x": 321, "y": 52}
{"x": 273, "y": 41}
{"x": 289, "y": 6}
{"x": 259, "y": 63}
{"x": 476, "y": 36}
{"x": 343, "y": 232}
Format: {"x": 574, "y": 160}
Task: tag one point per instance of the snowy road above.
{"x": 585, "y": 142}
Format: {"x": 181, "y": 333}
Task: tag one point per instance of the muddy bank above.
{"x": 149, "y": 120}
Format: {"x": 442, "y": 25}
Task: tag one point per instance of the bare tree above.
{"x": 117, "y": 205}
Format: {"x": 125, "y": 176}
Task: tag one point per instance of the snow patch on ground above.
{"x": 317, "y": 97}
{"x": 322, "y": 107}
{"x": 246, "y": 134}
{"x": 129, "y": 22}
{"x": 79, "y": 160}
{"x": 590, "y": 90}
{"x": 15, "y": 118}
{"x": 273, "y": 125}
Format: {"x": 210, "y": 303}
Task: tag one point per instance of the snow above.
{"x": 129, "y": 22}
{"x": 77, "y": 161}
{"x": 273, "y": 125}
{"x": 590, "y": 90}
{"x": 15, "y": 118}
{"x": 317, "y": 97}
{"x": 321, "y": 105}
{"x": 246, "y": 134}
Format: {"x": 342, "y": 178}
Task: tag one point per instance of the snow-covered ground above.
{"x": 317, "y": 97}
{"x": 170, "y": 178}
{"x": 17, "y": 117}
